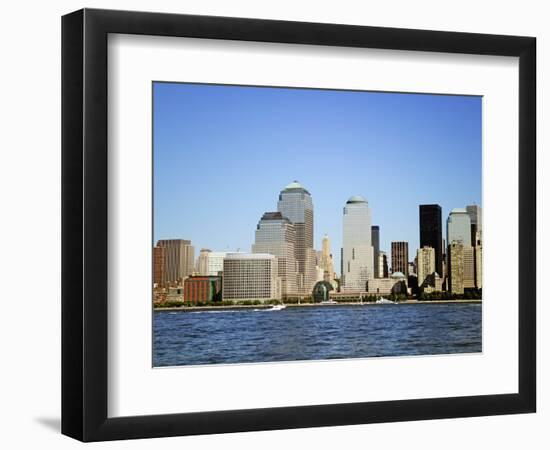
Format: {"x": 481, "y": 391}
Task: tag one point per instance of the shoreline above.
{"x": 313, "y": 305}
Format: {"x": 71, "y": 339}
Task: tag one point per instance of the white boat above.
{"x": 384, "y": 301}
{"x": 277, "y": 307}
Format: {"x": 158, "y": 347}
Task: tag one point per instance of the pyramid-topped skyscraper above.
{"x": 295, "y": 203}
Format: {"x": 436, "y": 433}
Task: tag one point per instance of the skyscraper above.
{"x": 425, "y": 264}
{"x": 479, "y": 266}
{"x": 202, "y": 261}
{"x": 275, "y": 234}
{"x": 469, "y": 268}
{"x": 179, "y": 260}
{"x": 476, "y": 223}
{"x": 382, "y": 265}
{"x": 375, "y": 239}
{"x": 459, "y": 227}
{"x": 158, "y": 266}
{"x": 431, "y": 233}
{"x": 456, "y": 267}
{"x": 400, "y": 257}
{"x": 357, "y": 253}
{"x": 475, "y": 213}
{"x": 326, "y": 262}
{"x": 295, "y": 204}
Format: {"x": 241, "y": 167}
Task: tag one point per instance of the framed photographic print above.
{"x": 272, "y": 224}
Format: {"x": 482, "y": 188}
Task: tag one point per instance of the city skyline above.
{"x": 209, "y": 169}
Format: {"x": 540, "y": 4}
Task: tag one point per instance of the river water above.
{"x": 309, "y": 333}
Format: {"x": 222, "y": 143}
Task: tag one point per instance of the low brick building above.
{"x": 202, "y": 289}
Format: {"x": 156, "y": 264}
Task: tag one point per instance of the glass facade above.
{"x": 321, "y": 291}
{"x": 459, "y": 227}
{"x": 431, "y": 232}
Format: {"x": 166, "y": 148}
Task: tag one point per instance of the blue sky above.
{"x": 223, "y": 153}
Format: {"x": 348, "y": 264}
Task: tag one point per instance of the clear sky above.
{"x": 222, "y": 154}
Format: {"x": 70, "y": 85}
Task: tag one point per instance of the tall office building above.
{"x": 475, "y": 213}
{"x": 179, "y": 260}
{"x": 250, "y": 276}
{"x": 459, "y": 227}
{"x": 400, "y": 257}
{"x": 158, "y": 266}
{"x": 476, "y": 223}
{"x": 375, "y": 240}
{"x": 456, "y": 267}
{"x": 325, "y": 261}
{"x": 479, "y": 266}
{"x": 431, "y": 233}
{"x": 461, "y": 231}
{"x": 382, "y": 265}
{"x": 358, "y": 253}
{"x": 425, "y": 263}
{"x": 295, "y": 204}
{"x": 202, "y": 261}
{"x": 412, "y": 268}
{"x": 341, "y": 264}
{"x": 469, "y": 268}
{"x": 275, "y": 234}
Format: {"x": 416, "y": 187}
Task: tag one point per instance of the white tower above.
{"x": 357, "y": 249}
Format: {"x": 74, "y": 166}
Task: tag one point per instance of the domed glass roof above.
{"x": 356, "y": 199}
{"x": 295, "y": 187}
{"x": 459, "y": 211}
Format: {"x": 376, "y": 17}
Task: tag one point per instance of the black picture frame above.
{"x": 84, "y": 224}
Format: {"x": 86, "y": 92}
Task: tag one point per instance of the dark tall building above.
{"x": 431, "y": 233}
{"x": 400, "y": 257}
{"x": 375, "y": 241}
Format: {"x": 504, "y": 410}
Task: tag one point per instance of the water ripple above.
{"x": 238, "y": 336}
